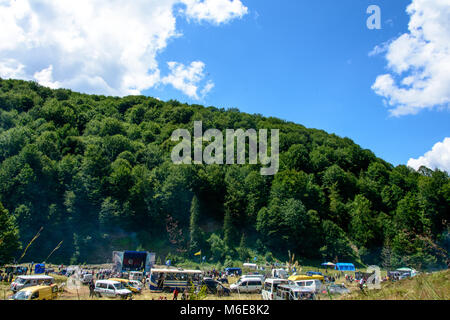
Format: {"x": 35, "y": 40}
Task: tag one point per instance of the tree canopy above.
{"x": 96, "y": 172}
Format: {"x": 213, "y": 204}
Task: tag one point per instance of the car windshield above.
{"x": 118, "y": 286}
{"x": 20, "y": 281}
{"x": 22, "y": 295}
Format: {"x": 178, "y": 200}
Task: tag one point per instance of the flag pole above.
{"x": 57, "y": 247}
{"x": 29, "y": 244}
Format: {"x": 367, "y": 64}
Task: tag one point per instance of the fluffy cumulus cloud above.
{"x": 215, "y": 11}
{"x": 418, "y": 61}
{"x": 437, "y": 158}
{"x": 103, "y": 46}
{"x": 185, "y": 78}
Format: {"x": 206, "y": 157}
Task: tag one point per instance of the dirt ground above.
{"x": 83, "y": 292}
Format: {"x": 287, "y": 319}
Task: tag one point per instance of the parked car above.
{"x": 404, "y": 276}
{"x": 86, "y": 278}
{"x": 37, "y": 293}
{"x": 337, "y": 289}
{"x": 313, "y": 284}
{"x": 111, "y": 289}
{"x": 280, "y": 273}
{"x": 132, "y": 285}
{"x": 293, "y": 292}
{"x": 247, "y": 285}
{"x": 223, "y": 279}
{"x": 213, "y": 285}
{"x": 312, "y": 273}
{"x": 253, "y": 276}
{"x": 30, "y": 281}
{"x": 270, "y": 287}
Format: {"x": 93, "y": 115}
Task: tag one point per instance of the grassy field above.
{"x": 435, "y": 286}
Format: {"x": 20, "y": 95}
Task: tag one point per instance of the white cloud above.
{"x": 208, "y": 87}
{"x": 97, "y": 46}
{"x": 419, "y": 61}
{"x": 215, "y": 11}
{"x": 437, "y": 158}
{"x": 45, "y": 77}
{"x": 11, "y": 68}
{"x": 184, "y": 78}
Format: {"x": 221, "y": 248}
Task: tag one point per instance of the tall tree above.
{"x": 9, "y": 236}
{"x": 194, "y": 229}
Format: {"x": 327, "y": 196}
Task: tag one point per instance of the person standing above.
{"x": 361, "y": 284}
{"x": 91, "y": 289}
{"x": 175, "y": 294}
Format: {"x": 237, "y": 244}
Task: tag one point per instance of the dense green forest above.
{"x": 95, "y": 172}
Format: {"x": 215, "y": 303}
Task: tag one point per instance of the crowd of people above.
{"x": 6, "y": 277}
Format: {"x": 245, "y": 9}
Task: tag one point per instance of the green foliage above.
{"x": 336, "y": 242}
{"x": 194, "y": 229}
{"x": 218, "y": 247}
{"x": 95, "y": 172}
{"x": 9, "y": 236}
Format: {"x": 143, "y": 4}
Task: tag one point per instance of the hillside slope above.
{"x": 96, "y": 172}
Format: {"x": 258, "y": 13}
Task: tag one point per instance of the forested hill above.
{"x": 95, "y": 172}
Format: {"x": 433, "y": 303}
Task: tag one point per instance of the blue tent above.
{"x": 39, "y": 268}
{"x": 345, "y": 267}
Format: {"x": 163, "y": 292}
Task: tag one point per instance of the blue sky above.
{"x": 308, "y": 62}
{"x": 303, "y": 61}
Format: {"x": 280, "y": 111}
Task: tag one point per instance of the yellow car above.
{"x": 305, "y": 277}
{"x": 37, "y": 293}
{"x": 132, "y": 285}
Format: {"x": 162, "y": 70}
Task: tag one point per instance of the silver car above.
{"x": 338, "y": 289}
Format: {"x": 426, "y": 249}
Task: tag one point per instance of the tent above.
{"x": 345, "y": 266}
{"x": 328, "y": 264}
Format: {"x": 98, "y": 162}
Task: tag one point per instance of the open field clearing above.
{"x": 434, "y": 286}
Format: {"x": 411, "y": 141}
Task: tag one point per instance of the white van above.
{"x": 247, "y": 285}
{"x": 30, "y": 281}
{"x": 312, "y": 284}
{"x": 253, "y": 276}
{"x": 86, "y": 278}
{"x": 293, "y": 292}
{"x": 270, "y": 287}
{"x": 280, "y": 273}
{"x": 111, "y": 289}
